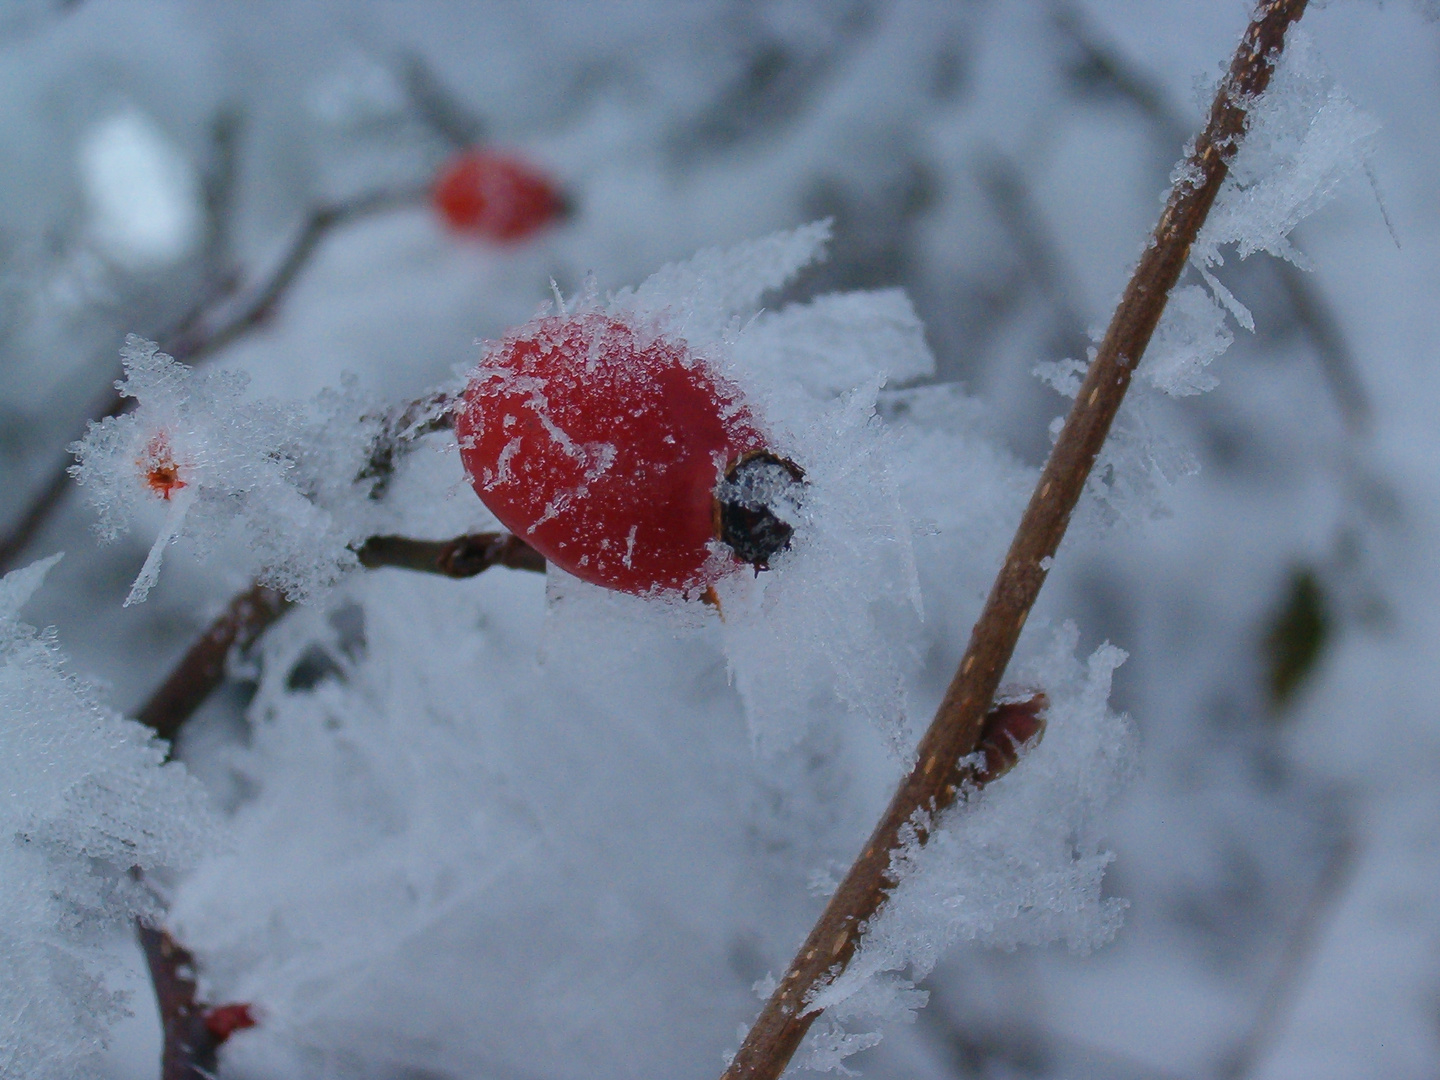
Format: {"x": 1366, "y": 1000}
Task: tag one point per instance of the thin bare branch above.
{"x": 939, "y": 775}
{"x": 262, "y": 303}
{"x": 37, "y": 511}
{"x": 1332, "y": 350}
{"x": 189, "y": 1048}
{"x": 196, "y": 675}
{"x": 437, "y": 106}
{"x": 202, "y": 668}
{"x": 1295, "y": 961}
{"x": 462, "y": 557}
{"x": 1100, "y": 67}
{"x": 398, "y": 434}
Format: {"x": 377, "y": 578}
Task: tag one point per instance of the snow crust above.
{"x": 88, "y": 814}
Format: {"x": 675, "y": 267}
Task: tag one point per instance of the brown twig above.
{"x": 1099, "y": 67}
{"x": 198, "y": 337}
{"x": 251, "y": 613}
{"x": 255, "y": 310}
{"x": 191, "y": 1042}
{"x": 399, "y": 432}
{"x": 202, "y": 668}
{"x": 462, "y": 557}
{"x": 938, "y": 777}
{"x": 437, "y": 107}
{"x": 189, "y": 1048}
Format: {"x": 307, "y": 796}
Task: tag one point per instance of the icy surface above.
{"x": 87, "y": 809}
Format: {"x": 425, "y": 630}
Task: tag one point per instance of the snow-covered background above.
{"x": 516, "y": 828}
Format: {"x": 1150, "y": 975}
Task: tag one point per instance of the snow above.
{"x": 517, "y": 827}
{"x": 1304, "y": 138}
{"x": 90, "y": 816}
{"x": 144, "y": 196}
{"x": 1192, "y": 333}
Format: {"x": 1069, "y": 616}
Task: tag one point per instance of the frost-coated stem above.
{"x": 202, "y": 668}
{"x": 937, "y": 777}
{"x": 251, "y": 613}
{"x": 462, "y": 557}
{"x": 188, "y": 1049}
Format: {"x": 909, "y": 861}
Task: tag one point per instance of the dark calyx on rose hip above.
{"x": 758, "y": 492}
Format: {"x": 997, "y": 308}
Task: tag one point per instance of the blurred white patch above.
{"x": 143, "y": 193}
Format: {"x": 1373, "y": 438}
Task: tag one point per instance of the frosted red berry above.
{"x": 603, "y": 447}
{"x": 495, "y": 196}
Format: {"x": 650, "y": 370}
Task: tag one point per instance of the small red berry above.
{"x": 495, "y": 196}
{"x": 224, "y": 1020}
{"x": 620, "y": 456}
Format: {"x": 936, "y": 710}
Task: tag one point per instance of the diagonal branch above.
{"x": 253, "y": 611}
{"x": 939, "y": 775}
{"x": 202, "y": 668}
{"x": 321, "y": 221}
{"x": 1098, "y": 67}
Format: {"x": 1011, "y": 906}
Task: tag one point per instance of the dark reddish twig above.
{"x": 205, "y": 340}
{"x": 202, "y": 668}
{"x": 939, "y": 774}
{"x": 193, "y": 1033}
{"x": 462, "y": 557}
{"x": 437, "y": 107}
{"x": 189, "y": 1048}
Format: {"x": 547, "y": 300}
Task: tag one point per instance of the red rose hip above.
{"x": 494, "y": 196}
{"x": 620, "y": 456}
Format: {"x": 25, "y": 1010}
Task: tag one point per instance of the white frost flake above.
{"x": 84, "y": 798}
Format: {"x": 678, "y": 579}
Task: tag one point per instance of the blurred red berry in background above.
{"x": 494, "y": 196}
{"x": 224, "y": 1020}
